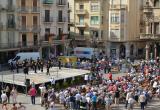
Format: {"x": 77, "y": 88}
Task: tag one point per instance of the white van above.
{"x": 24, "y": 55}
{"x": 84, "y": 52}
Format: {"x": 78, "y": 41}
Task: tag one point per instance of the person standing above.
{"x": 48, "y": 66}
{"x": 4, "y": 97}
{"x": 131, "y": 103}
{"x": 59, "y": 64}
{"x": 8, "y": 93}
{"x": 35, "y": 67}
{"x": 32, "y": 92}
{"x": 108, "y": 102}
{"x": 17, "y": 66}
{"x": 117, "y": 95}
{"x": 142, "y": 99}
{"x": 14, "y": 95}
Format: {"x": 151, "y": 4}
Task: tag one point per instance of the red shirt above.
{"x": 32, "y": 92}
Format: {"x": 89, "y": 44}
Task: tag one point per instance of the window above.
{"x": 47, "y": 15}
{"x": 81, "y": 32}
{"x": 94, "y": 7}
{"x": 23, "y": 20}
{"x": 122, "y": 17}
{"x": 114, "y": 18}
{"x": 23, "y": 3}
{"x": 81, "y": 20}
{"x": 156, "y": 3}
{"x": 115, "y": 33}
{"x": 35, "y": 20}
{"x": 94, "y": 20}
{"x": 60, "y": 14}
{"x": 24, "y": 40}
{"x": 156, "y": 28}
{"x": 10, "y": 2}
{"x": 35, "y": 39}
{"x": 47, "y": 32}
{"x": 11, "y": 21}
{"x": 81, "y": 7}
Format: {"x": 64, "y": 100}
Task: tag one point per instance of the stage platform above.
{"x": 39, "y": 77}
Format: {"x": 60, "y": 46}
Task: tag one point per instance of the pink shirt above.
{"x": 32, "y": 92}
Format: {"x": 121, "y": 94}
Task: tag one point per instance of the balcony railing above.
{"x": 24, "y": 28}
{"x": 36, "y": 28}
{"x": 47, "y": 2}
{"x": 147, "y": 9}
{"x": 118, "y": 6}
{"x": 144, "y": 36}
{"x": 23, "y": 9}
{"x": 11, "y": 26}
{"x": 81, "y": 25}
{"x": 81, "y": 12}
{"x": 10, "y": 8}
{"x": 61, "y": 20}
{"x": 48, "y": 19}
{"x": 13, "y": 45}
{"x": 80, "y": 37}
{"x": 61, "y": 3}
{"x": 36, "y": 9}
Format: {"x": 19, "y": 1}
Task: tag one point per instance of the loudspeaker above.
{"x": 27, "y": 82}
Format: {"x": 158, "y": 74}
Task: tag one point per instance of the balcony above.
{"x": 35, "y": 28}
{"x": 80, "y": 37}
{"x": 23, "y": 9}
{"x": 144, "y": 36}
{"x": 10, "y": 26}
{"x": 48, "y": 19}
{"x": 24, "y": 28}
{"x": 11, "y": 45}
{"x": 71, "y": 22}
{"x": 118, "y": 7}
{"x": 81, "y": 12}
{"x": 35, "y": 9}
{"x": 81, "y": 25}
{"x": 10, "y": 8}
{"x": 61, "y": 20}
{"x": 147, "y": 10}
{"x": 47, "y": 2}
{"x": 61, "y": 3}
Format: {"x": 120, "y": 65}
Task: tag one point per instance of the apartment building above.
{"x": 9, "y": 41}
{"x": 150, "y": 28}
{"x": 54, "y": 26}
{"x": 109, "y": 25}
{"x": 28, "y": 25}
{"x": 90, "y": 22}
{"x": 124, "y": 18}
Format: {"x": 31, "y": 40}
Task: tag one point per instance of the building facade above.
{"x": 9, "y": 41}
{"x": 33, "y": 25}
{"x": 124, "y": 18}
{"x": 150, "y": 28}
{"x": 28, "y": 25}
{"x": 54, "y": 26}
{"x": 89, "y": 19}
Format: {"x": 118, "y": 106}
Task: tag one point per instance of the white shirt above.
{"x": 4, "y": 97}
{"x": 131, "y": 100}
{"x": 155, "y": 84}
{"x": 78, "y": 97}
{"x": 86, "y": 77}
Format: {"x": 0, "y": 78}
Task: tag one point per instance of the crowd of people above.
{"x": 137, "y": 87}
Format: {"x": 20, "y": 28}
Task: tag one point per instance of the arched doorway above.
{"x": 122, "y": 51}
